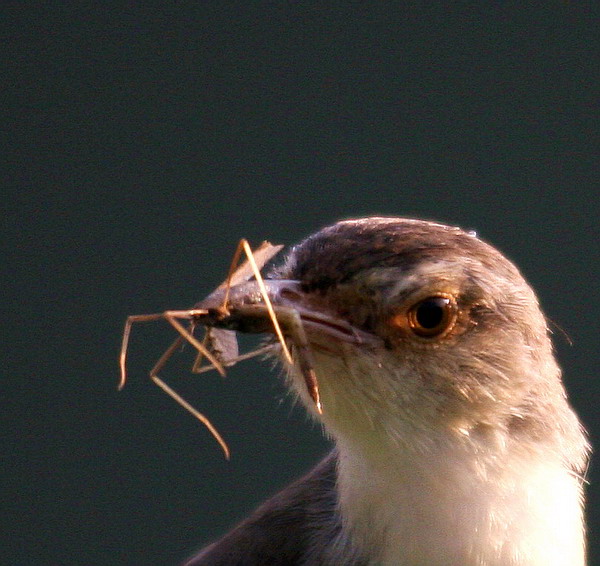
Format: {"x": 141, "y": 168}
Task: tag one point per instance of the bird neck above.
{"x": 458, "y": 502}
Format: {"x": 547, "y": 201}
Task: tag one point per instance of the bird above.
{"x": 454, "y": 440}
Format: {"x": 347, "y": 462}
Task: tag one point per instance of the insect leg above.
{"x": 265, "y": 295}
{"x": 172, "y": 316}
{"x": 246, "y": 356}
{"x": 292, "y": 322}
{"x": 179, "y": 399}
{"x": 125, "y": 341}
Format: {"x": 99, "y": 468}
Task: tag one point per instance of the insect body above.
{"x": 237, "y": 305}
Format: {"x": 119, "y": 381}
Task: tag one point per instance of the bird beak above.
{"x": 245, "y": 308}
{"x": 283, "y": 308}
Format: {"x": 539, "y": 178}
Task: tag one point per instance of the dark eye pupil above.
{"x": 432, "y": 317}
{"x": 431, "y": 312}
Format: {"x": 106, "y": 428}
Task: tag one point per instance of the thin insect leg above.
{"x": 295, "y": 329}
{"x": 196, "y": 366}
{"x": 125, "y": 341}
{"x": 263, "y": 290}
{"x": 174, "y": 395}
{"x": 241, "y": 357}
{"x": 172, "y": 316}
{"x": 166, "y": 355}
{"x": 232, "y": 268}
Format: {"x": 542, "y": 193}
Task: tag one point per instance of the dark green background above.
{"x": 141, "y": 142}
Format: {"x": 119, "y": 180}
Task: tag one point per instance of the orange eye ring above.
{"x": 433, "y": 316}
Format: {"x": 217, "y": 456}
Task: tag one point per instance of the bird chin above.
{"x": 343, "y": 372}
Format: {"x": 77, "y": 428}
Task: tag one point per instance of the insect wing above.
{"x": 264, "y": 253}
{"x": 223, "y": 344}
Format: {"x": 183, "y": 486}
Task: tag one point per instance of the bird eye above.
{"x": 432, "y": 316}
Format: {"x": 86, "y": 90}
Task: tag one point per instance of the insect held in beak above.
{"x": 239, "y": 304}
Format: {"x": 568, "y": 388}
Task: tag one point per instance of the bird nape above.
{"x": 454, "y": 441}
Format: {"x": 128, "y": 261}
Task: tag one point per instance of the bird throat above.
{"x": 454, "y": 508}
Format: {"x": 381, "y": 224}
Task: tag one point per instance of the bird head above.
{"x": 419, "y": 331}
{"x": 419, "y": 334}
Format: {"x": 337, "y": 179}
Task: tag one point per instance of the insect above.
{"x": 236, "y": 305}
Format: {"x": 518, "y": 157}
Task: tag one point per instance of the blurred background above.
{"x": 141, "y": 141}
